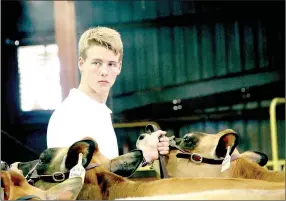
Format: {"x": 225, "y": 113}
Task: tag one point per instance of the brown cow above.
{"x": 124, "y": 165}
{"x": 237, "y": 194}
{"x": 212, "y": 149}
{"x": 15, "y": 186}
{"x": 101, "y": 184}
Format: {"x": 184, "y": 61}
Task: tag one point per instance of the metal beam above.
{"x": 65, "y": 33}
{"x": 194, "y": 90}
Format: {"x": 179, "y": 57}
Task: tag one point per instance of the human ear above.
{"x": 119, "y": 67}
{"x": 80, "y": 63}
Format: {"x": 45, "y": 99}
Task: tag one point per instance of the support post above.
{"x": 65, "y": 34}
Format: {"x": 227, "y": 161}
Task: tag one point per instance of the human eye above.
{"x": 112, "y": 65}
{"x": 97, "y": 63}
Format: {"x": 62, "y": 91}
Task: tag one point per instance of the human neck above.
{"x": 101, "y": 98}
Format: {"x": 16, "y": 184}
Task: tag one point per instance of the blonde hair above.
{"x": 102, "y": 36}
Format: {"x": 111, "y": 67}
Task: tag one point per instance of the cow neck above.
{"x": 113, "y": 186}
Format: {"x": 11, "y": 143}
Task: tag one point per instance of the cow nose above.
{"x": 141, "y": 137}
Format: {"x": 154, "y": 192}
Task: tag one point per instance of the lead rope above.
{"x": 163, "y": 170}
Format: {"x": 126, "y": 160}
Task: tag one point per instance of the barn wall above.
{"x": 181, "y": 42}
{"x": 169, "y": 48}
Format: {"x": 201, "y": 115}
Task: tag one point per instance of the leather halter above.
{"x": 55, "y": 177}
{"x": 28, "y": 197}
{"x": 195, "y": 157}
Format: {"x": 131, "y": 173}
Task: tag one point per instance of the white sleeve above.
{"x": 62, "y": 130}
{"x": 69, "y": 126}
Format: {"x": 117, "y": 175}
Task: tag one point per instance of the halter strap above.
{"x": 55, "y": 177}
{"x": 28, "y": 197}
{"x": 195, "y": 157}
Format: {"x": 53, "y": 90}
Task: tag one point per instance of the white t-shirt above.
{"x": 80, "y": 116}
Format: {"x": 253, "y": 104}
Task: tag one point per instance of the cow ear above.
{"x": 256, "y": 157}
{"x": 174, "y": 141}
{"x": 4, "y": 165}
{"x": 126, "y": 165}
{"x": 6, "y": 185}
{"x": 178, "y": 141}
{"x": 67, "y": 190}
{"x": 228, "y": 138}
{"x": 86, "y": 146}
{"x": 25, "y": 167}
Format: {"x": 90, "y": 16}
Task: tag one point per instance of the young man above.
{"x": 84, "y": 112}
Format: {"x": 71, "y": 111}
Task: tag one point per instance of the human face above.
{"x": 100, "y": 69}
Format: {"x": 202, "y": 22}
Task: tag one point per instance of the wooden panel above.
{"x": 66, "y": 39}
{"x": 98, "y": 14}
{"x": 32, "y": 21}
{"x": 199, "y": 126}
{"x": 151, "y": 57}
{"x": 222, "y": 125}
{"x": 150, "y": 9}
{"x": 177, "y": 7}
{"x": 188, "y": 7}
{"x": 180, "y": 69}
{"x": 207, "y": 57}
{"x": 252, "y": 132}
{"x": 233, "y": 47}
{"x": 144, "y": 9}
{"x": 138, "y": 11}
{"x": 128, "y": 68}
{"x": 248, "y": 43}
{"x": 126, "y": 11}
{"x": 194, "y": 90}
{"x": 210, "y": 127}
{"x": 192, "y": 53}
{"x": 110, "y": 11}
{"x": 83, "y": 21}
{"x": 281, "y": 137}
{"x": 266, "y": 140}
{"x": 238, "y": 126}
{"x": 163, "y": 8}
{"x": 262, "y": 46}
{"x": 166, "y": 59}
{"x": 220, "y": 56}
{"x": 140, "y": 59}
{"x": 119, "y": 85}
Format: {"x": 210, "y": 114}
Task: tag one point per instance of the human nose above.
{"x": 104, "y": 70}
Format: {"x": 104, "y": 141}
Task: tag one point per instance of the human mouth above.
{"x": 103, "y": 82}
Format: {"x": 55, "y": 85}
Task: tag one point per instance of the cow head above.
{"x": 63, "y": 159}
{"x": 15, "y": 186}
{"x": 210, "y": 146}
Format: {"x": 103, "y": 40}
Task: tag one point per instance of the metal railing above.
{"x": 276, "y": 163}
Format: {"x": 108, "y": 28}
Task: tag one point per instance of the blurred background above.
{"x": 188, "y": 65}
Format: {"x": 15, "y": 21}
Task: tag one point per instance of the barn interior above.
{"x": 188, "y": 66}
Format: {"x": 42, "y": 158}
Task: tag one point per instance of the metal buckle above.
{"x": 194, "y": 154}
{"x": 58, "y": 174}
